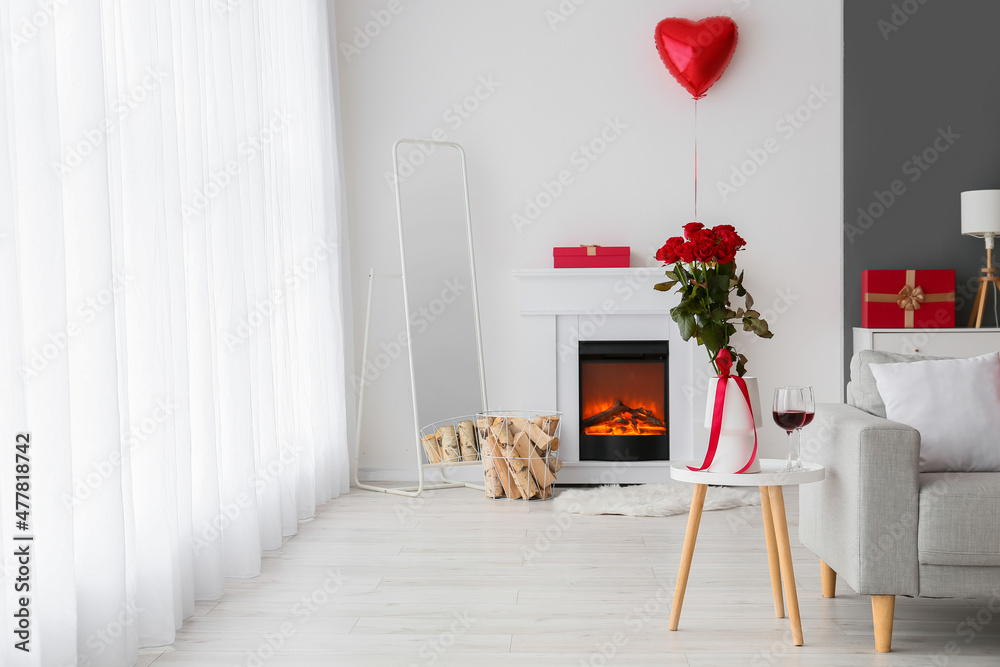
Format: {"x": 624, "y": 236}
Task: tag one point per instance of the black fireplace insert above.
{"x": 624, "y": 401}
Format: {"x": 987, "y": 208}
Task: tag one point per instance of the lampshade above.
{"x": 981, "y": 212}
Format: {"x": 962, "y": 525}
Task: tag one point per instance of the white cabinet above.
{"x": 932, "y": 342}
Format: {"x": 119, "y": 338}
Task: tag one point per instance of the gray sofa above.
{"x": 886, "y": 528}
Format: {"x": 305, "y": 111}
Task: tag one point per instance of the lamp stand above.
{"x": 984, "y": 281}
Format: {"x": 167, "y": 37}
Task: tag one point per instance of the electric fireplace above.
{"x": 623, "y": 401}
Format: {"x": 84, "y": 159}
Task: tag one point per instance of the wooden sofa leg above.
{"x": 829, "y": 579}
{"x": 883, "y": 607}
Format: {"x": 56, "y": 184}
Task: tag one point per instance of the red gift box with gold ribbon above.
{"x": 591, "y": 256}
{"x": 908, "y": 299}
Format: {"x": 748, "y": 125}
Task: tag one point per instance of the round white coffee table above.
{"x": 769, "y": 480}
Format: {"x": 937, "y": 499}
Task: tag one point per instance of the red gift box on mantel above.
{"x": 591, "y": 256}
{"x": 908, "y": 299}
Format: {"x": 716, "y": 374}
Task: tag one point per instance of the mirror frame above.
{"x": 472, "y": 272}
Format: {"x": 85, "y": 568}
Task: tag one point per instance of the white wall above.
{"x": 556, "y": 88}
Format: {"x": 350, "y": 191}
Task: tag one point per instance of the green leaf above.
{"x": 682, "y": 273}
{"x": 740, "y": 290}
{"x": 713, "y": 337}
{"x": 719, "y": 283}
{"x": 665, "y": 287}
{"x": 718, "y": 288}
{"x": 692, "y": 305}
{"x": 749, "y": 301}
{"x": 752, "y": 313}
{"x": 687, "y": 326}
{"x": 672, "y": 275}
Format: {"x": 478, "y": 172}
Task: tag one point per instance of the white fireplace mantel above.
{"x": 559, "y": 308}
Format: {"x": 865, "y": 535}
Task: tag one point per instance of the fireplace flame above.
{"x": 613, "y": 417}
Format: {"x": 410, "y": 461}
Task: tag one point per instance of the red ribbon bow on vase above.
{"x": 724, "y": 362}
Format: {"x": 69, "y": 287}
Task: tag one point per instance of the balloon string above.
{"x": 696, "y": 159}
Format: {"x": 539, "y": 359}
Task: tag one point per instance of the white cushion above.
{"x": 954, "y": 403}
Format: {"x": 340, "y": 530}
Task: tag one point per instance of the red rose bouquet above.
{"x": 705, "y": 275}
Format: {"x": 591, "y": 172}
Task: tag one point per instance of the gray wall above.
{"x": 904, "y": 88}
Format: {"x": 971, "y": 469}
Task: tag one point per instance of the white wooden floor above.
{"x": 454, "y": 579}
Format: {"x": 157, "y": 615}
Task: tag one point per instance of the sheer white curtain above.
{"x": 172, "y": 307}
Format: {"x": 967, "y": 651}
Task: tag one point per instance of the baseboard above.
{"x": 409, "y": 474}
{"x": 573, "y": 472}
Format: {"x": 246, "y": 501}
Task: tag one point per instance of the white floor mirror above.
{"x": 442, "y": 310}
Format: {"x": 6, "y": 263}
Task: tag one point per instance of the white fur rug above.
{"x": 650, "y": 499}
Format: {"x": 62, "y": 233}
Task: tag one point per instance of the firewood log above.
{"x": 607, "y": 415}
{"x": 623, "y": 416}
{"x": 467, "y": 441}
{"x": 517, "y": 424}
{"x": 539, "y": 437}
{"x": 547, "y": 424}
{"x": 555, "y": 465}
{"x": 431, "y": 448}
{"x": 536, "y": 462}
{"x": 495, "y": 459}
{"x": 450, "y": 450}
{"x": 501, "y": 431}
{"x": 494, "y": 487}
{"x": 519, "y": 466}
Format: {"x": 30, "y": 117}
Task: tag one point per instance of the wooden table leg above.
{"x": 690, "y": 537}
{"x": 772, "y": 553}
{"x": 785, "y": 556}
{"x": 828, "y": 580}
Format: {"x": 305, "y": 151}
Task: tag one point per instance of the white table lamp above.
{"x": 981, "y": 218}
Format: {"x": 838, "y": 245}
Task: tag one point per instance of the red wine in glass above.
{"x": 792, "y": 409}
{"x": 790, "y": 420}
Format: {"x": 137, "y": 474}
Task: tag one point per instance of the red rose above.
{"x": 703, "y": 242}
{"x": 668, "y": 253}
{"x": 690, "y": 229}
{"x": 726, "y": 251}
{"x": 685, "y": 252}
{"x": 728, "y": 232}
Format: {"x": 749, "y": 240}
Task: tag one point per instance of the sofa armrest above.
{"x": 862, "y": 519}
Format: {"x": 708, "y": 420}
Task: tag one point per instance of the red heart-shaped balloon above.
{"x": 696, "y": 53}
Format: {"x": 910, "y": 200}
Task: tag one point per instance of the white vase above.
{"x": 736, "y": 439}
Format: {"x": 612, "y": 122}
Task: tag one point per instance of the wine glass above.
{"x": 793, "y": 408}
{"x": 810, "y": 407}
